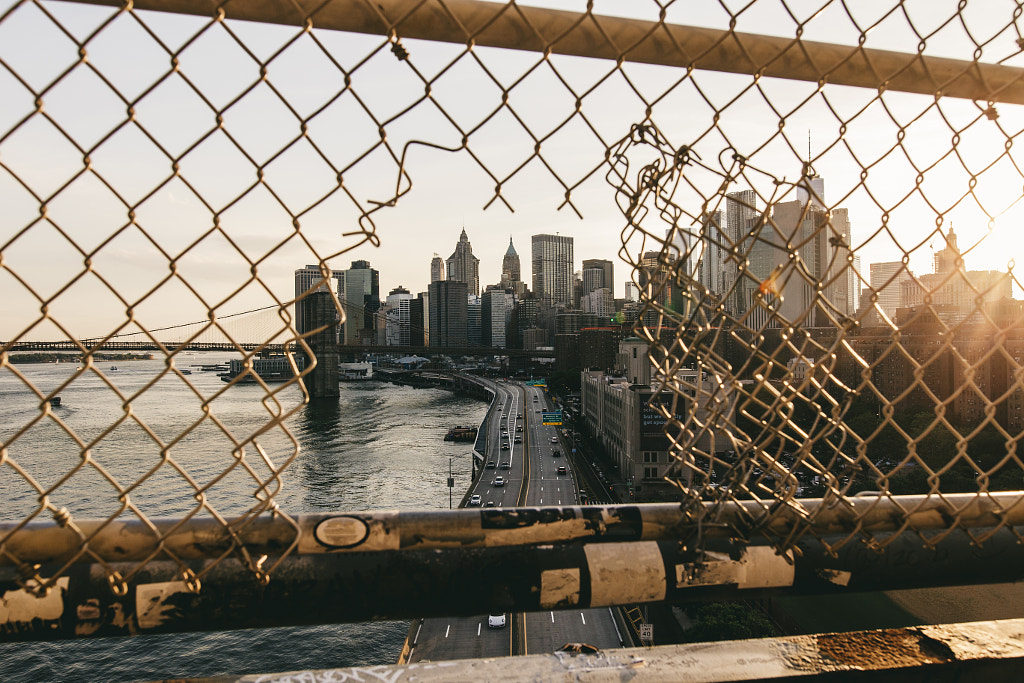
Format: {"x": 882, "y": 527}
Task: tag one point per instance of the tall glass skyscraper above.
{"x": 552, "y": 269}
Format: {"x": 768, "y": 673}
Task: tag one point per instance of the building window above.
{"x": 650, "y": 473}
{"x": 650, "y": 456}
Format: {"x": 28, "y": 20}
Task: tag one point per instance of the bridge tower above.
{"x": 319, "y": 312}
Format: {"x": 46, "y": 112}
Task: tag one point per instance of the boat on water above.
{"x": 55, "y": 402}
{"x": 355, "y": 372}
{"x": 185, "y": 372}
{"x": 113, "y": 368}
{"x": 461, "y": 434}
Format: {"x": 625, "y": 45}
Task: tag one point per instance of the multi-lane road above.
{"x": 534, "y": 472}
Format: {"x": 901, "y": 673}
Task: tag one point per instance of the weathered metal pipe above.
{"x": 632, "y": 40}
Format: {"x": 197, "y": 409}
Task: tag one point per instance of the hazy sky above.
{"x": 161, "y": 257}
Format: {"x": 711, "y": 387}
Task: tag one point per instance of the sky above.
{"x": 172, "y": 216}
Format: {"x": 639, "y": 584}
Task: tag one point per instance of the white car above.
{"x": 496, "y": 620}
{"x": 499, "y": 481}
{"x": 475, "y": 499}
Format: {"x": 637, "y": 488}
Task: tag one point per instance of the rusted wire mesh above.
{"x": 789, "y": 175}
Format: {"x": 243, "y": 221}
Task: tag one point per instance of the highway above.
{"x": 532, "y": 479}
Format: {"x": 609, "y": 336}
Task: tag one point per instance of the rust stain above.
{"x": 883, "y": 649}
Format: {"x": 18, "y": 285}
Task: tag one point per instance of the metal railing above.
{"x": 819, "y": 374}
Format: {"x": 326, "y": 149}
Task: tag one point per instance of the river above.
{"x": 379, "y": 447}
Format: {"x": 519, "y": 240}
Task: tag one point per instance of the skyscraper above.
{"x": 463, "y": 266}
{"x": 510, "y": 264}
{"x": 552, "y": 269}
{"x": 397, "y": 331}
{"x": 436, "y": 268}
{"x": 359, "y": 293}
{"x": 449, "y": 312}
{"x": 591, "y": 281}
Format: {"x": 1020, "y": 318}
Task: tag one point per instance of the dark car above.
{"x": 506, "y": 465}
{"x": 490, "y": 464}
{"x": 561, "y": 469}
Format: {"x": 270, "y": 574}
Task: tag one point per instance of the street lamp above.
{"x": 451, "y": 482}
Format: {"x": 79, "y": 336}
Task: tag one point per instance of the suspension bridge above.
{"x": 267, "y": 330}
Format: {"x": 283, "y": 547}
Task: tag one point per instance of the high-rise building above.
{"x": 448, "y": 305}
{"x": 474, "y": 320}
{"x": 436, "y": 268}
{"x": 359, "y": 294}
{"x": 305, "y": 279}
{"x": 510, "y": 264}
{"x": 552, "y": 270}
{"x": 397, "y": 320}
{"x": 886, "y": 280}
{"x": 713, "y": 257}
{"x": 632, "y": 292}
{"x": 463, "y": 266}
{"x": 419, "y": 308}
{"x": 496, "y": 310}
{"x": 597, "y": 273}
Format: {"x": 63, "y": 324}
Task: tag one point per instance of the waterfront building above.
{"x": 359, "y": 294}
{"x": 448, "y": 319}
{"x": 463, "y": 266}
{"x": 305, "y": 280}
{"x": 552, "y": 269}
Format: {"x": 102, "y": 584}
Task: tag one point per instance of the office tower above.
{"x": 632, "y": 292}
{"x": 552, "y": 270}
{"x": 742, "y": 223}
{"x": 418, "y": 324}
{"x": 305, "y": 279}
{"x": 359, "y": 293}
{"x": 474, "y": 320}
{"x": 436, "y": 268}
{"x": 463, "y": 266}
{"x": 398, "y": 325}
{"x": 510, "y": 264}
{"x": 449, "y": 311}
{"x": 496, "y": 310}
{"x": 592, "y": 280}
{"x": 714, "y": 250}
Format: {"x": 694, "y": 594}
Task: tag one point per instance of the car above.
{"x": 519, "y": 439}
{"x": 474, "y": 499}
{"x": 496, "y": 620}
{"x": 490, "y": 464}
{"x": 519, "y": 428}
{"x": 499, "y": 481}
{"x": 561, "y": 469}
{"x": 506, "y": 465}
{"x": 504, "y": 446}
{"x": 583, "y": 496}
{"x": 489, "y": 504}
{"x": 555, "y": 453}
{"x": 520, "y": 416}
{"x": 554, "y": 439}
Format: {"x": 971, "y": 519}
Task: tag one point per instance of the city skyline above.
{"x": 210, "y": 188}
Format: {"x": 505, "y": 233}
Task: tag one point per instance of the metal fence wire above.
{"x": 819, "y": 201}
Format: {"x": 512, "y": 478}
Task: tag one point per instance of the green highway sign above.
{"x": 552, "y": 418}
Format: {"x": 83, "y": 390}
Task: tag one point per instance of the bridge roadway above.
{"x": 532, "y": 479}
{"x": 354, "y": 349}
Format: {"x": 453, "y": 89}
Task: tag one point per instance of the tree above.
{"x": 728, "y": 621}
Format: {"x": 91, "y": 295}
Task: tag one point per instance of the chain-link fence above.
{"x": 818, "y": 200}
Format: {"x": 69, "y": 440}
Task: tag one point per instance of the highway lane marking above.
{"x": 583, "y": 618}
{"x": 478, "y": 629}
{"x": 552, "y": 617}
{"x": 447, "y": 630}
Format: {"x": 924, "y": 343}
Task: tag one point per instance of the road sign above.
{"x": 552, "y": 418}
{"x": 646, "y": 631}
